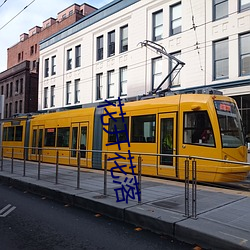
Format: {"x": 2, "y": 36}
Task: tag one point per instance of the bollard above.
{"x": 105, "y": 173}
{"x": 194, "y": 189}
{"x": 187, "y": 187}
{"x": 2, "y": 159}
{"x": 57, "y": 157}
{"x": 24, "y": 162}
{"x": 78, "y": 170}
{"x": 12, "y": 160}
{"x": 139, "y": 178}
{"x": 39, "y": 163}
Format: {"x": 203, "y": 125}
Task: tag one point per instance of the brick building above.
{"x": 23, "y": 60}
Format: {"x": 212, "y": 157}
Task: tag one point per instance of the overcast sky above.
{"x": 36, "y": 12}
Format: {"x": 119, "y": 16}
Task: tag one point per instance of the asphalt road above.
{"x": 37, "y": 223}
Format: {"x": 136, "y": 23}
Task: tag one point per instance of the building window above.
{"x": 7, "y": 90}
{"x": 99, "y": 52}
{"x": 245, "y": 54}
{"x": 16, "y": 107}
{"x": 10, "y": 109}
{"x": 77, "y": 91}
{"x": 35, "y": 48}
{"x": 17, "y": 87}
{"x": 45, "y": 105}
{"x": 20, "y": 106}
{"x": 11, "y": 88}
{"x": 68, "y": 93}
{"x": 220, "y": 9}
{"x": 19, "y": 57}
{"x": 46, "y": 68}
{"x": 175, "y": 21}
{"x": 21, "y": 85}
{"x": 111, "y": 84}
{"x": 220, "y": 52}
{"x": 64, "y": 16}
{"x": 34, "y": 64}
{"x": 52, "y": 96}
{"x": 99, "y": 87}
{"x": 124, "y": 39}
{"x": 71, "y": 13}
{"x": 111, "y": 43}
{"x": 244, "y": 5}
{"x": 53, "y": 65}
{"x": 6, "y": 110}
{"x": 157, "y": 25}
{"x": 69, "y": 59}
{"x": 123, "y": 81}
{"x": 78, "y": 56}
{"x": 175, "y": 76}
{"x": 31, "y": 50}
{"x": 156, "y": 72}
{"x": 2, "y": 89}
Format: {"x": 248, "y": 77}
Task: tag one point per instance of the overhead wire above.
{"x": 3, "y": 3}
{"x": 17, "y": 14}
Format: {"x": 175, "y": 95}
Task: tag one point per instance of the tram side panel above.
{"x": 14, "y": 139}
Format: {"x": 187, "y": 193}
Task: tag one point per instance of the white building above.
{"x": 100, "y": 57}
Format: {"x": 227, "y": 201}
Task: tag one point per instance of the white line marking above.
{"x": 9, "y": 210}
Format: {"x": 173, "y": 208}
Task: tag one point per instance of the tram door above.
{"x": 167, "y": 144}
{"x": 79, "y": 141}
{"x": 37, "y": 142}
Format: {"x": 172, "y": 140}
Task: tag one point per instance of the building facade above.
{"x": 23, "y": 60}
{"x": 100, "y": 57}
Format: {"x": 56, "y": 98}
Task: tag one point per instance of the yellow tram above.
{"x": 200, "y": 125}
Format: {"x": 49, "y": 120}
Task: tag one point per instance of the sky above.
{"x": 34, "y": 14}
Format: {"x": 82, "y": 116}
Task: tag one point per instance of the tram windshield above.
{"x": 230, "y": 124}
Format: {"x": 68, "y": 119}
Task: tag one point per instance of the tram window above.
{"x": 50, "y": 135}
{"x": 143, "y": 129}
{"x": 10, "y": 134}
{"x": 18, "y": 133}
{"x": 198, "y": 129}
{"x": 62, "y": 137}
{"x": 5, "y": 131}
{"x": 34, "y": 141}
{"x": 120, "y": 127}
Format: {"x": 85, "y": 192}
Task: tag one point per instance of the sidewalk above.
{"x": 223, "y": 218}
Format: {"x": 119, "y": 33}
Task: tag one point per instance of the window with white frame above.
{"x": 175, "y": 19}
{"x": 77, "y": 91}
{"x": 245, "y": 54}
{"x": 220, "y": 9}
{"x": 99, "y": 87}
{"x": 156, "y": 72}
{"x": 221, "y": 58}
{"x": 46, "y": 67}
{"x": 52, "y": 96}
{"x": 123, "y": 81}
{"x": 53, "y": 65}
{"x": 111, "y": 43}
{"x": 69, "y": 59}
{"x": 157, "y": 25}
{"x": 45, "y": 101}
{"x": 78, "y": 56}
{"x": 99, "y": 48}
{"x": 68, "y": 92}
{"x": 244, "y": 5}
{"x": 111, "y": 84}
{"x": 175, "y": 76}
{"x": 124, "y": 38}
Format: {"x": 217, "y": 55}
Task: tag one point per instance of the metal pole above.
{"x": 187, "y": 187}
{"x": 194, "y": 189}
{"x": 105, "y": 173}
{"x": 78, "y": 169}
{"x": 57, "y": 157}
{"x": 12, "y": 160}
{"x": 39, "y": 163}
{"x": 24, "y": 162}
{"x": 139, "y": 178}
{"x": 2, "y": 159}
